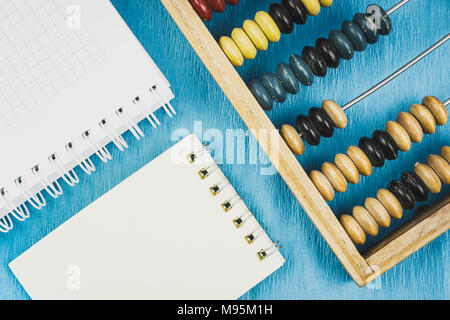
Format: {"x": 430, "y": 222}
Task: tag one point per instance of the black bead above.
{"x": 386, "y": 143}
{"x": 372, "y": 151}
{"x": 297, "y": 10}
{"x": 416, "y": 185}
{"x": 308, "y": 130}
{"x": 282, "y": 17}
{"x": 403, "y": 194}
{"x": 315, "y": 61}
{"x": 329, "y": 52}
{"x": 322, "y": 121}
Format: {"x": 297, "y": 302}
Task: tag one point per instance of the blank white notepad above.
{"x": 73, "y": 78}
{"x": 160, "y": 234}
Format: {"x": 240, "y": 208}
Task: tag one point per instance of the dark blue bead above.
{"x": 381, "y": 19}
{"x": 342, "y": 43}
{"x": 301, "y": 70}
{"x": 261, "y": 94}
{"x": 355, "y": 34}
{"x": 274, "y": 87}
{"x": 287, "y": 78}
{"x": 367, "y": 26}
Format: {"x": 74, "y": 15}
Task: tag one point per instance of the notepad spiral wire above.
{"x": 21, "y": 211}
{"x": 229, "y": 204}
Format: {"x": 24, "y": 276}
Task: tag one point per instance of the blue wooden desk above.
{"x": 311, "y": 270}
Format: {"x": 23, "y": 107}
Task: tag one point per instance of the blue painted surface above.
{"x": 311, "y": 270}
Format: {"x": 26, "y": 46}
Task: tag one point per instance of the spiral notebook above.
{"x": 73, "y": 79}
{"x": 176, "y": 229}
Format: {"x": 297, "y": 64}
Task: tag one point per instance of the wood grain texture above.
{"x": 312, "y": 270}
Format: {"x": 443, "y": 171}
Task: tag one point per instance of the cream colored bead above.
{"x": 429, "y": 177}
{"x": 445, "y": 153}
{"x": 292, "y": 139}
{"x": 335, "y": 176}
{"x": 391, "y": 203}
{"x": 437, "y": 108}
{"x": 378, "y": 212}
{"x": 353, "y": 229}
{"x": 440, "y": 166}
{"x": 411, "y": 125}
{"x": 347, "y": 167}
{"x": 365, "y": 220}
{"x": 425, "y": 118}
{"x": 336, "y": 113}
{"x": 322, "y": 184}
{"x": 360, "y": 159}
{"x": 399, "y": 134}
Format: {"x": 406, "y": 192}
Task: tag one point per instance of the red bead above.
{"x": 232, "y": 2}
{"x": 217, "y": 5}
{"x": 202, "y": 8}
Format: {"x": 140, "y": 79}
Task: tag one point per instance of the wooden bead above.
{"x": 365, "y": 220}
{"x": 326, "y": 3}
{"x": 256, "y": 35}
{"x": 244, "y": 43}
{"x": 347, "y": 167}
{"x": 429, "y": 177}
{"x": 445, "y": 153}
{"x": 353, "y": 229}
{"x": 312, "y": 6}
{"x": 292, "y": 139}
{"x": 202, "y": 8}
{"x": 437, "y": 108}
{"x": 411, "y": 125}
{"x": 360, "y": 159}
{"x": 335, "y": 176}
{"x": 440, "y": 166}
{"x": 425, "y": 118}
{"x": 399, "y": 134}
{"x": 391, "y": 203}
{"x": 232, "y": 51}
{"x": 322, "y": 184}
{"x": 336, "y": 113}
{"x": 378, "y": 212}
{"x": 268, "y": 26}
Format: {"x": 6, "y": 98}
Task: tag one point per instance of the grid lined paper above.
{"x": 41, "y": 54}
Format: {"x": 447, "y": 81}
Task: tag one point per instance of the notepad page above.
{"x": 160, "y": 234}
{"x": 65, "y": 65}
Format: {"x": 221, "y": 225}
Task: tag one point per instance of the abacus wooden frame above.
{"x": 362, "y": 268}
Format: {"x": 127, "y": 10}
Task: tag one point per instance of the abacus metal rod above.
{"x": 397, "y": 73}
{"x": 447, "y": 102}
{"x": 397, "y": 6}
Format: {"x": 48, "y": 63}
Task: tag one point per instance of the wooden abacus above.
{"x": 362, "y": 268}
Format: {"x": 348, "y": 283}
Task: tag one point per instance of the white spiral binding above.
{"x": 53, "y": 188}
{"x": 230, "y": 204}
{"x": 102, "y": 152}
{"x": 37, "y": 200}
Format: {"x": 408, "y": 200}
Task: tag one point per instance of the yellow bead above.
{"x": 244, "y": 43}
{"x": 353, "y": 229}
{"x": 326, "y": 3}
{"x": 336, "y": 113}
{"x": 437, "y": 108}
{"x": 292, "y": 139}
{"x": 256, "y": 35}
{"x": 232, "y": 51}
{"x": 312, "y": 6}
{"x": 322, "y": 184}
{"x": 268, "y": 26}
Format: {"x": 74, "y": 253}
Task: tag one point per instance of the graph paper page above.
{"x": 64, "y": 66}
